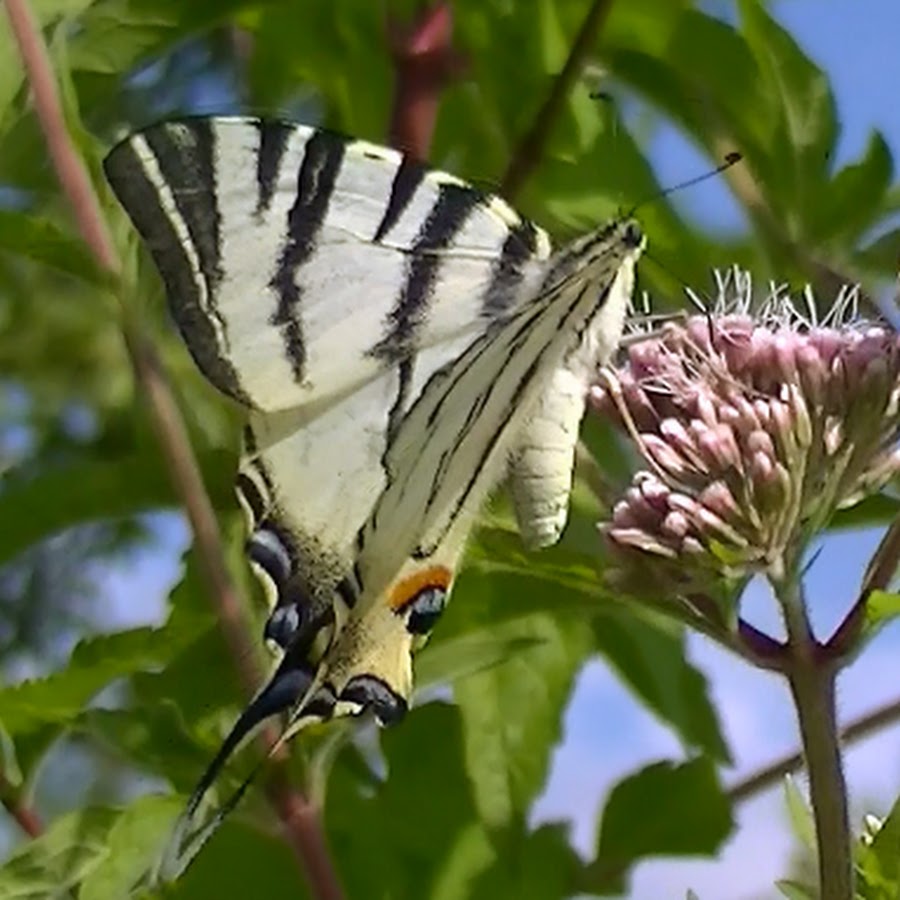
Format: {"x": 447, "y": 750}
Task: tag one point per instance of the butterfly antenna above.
{"x": 731, "y": 159}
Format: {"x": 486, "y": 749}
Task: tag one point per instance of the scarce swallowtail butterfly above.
{"x": 400, "y": 342}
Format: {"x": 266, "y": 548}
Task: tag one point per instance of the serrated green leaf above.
{"x": 665, "y": 809}
{"x": 94, "y": 663}
{"x": 646, "y": 651}
{"x": 135, "y": 841}
{"x": 48, "y": 867}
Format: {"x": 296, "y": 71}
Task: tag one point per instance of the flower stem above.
{"x": 811, "y": 677}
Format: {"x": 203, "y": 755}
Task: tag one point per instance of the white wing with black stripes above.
{"x": 401, "y": 343}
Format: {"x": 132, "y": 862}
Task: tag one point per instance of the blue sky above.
{"x": 607, "y": 735}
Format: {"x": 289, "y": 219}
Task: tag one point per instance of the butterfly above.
{"x": 399, "y": 343}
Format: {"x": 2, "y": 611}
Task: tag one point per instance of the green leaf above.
{"x": 651, "y": 660}
{"x": 665, "y": 809}
{"x": 882, "y": 255}
{"x": 43, "y": 241}
{"x": 135, "y": 842}
{"x": 794, "y": 890}
{"x": 646, "y": 650}
{"x": 853, "y": 199}
{"x": 878, "y": 860}
{"x": 806, "y": 114}
{"x": 386, "y": 832}
{"x": 240, "y": 861}
{"x": 512, "y": 713}
{"x": 540, "y": 864}
{"x": 881, "y": 607}
{"x": 92, "y": 489}
{"x": 448, "y": 661}
{"x": 800, "y": 815}
{"x": 48, "y": 867}
{"x": 94, "y": 663}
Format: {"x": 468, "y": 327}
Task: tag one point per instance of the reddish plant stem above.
{"x": 301, "y": 823}
{"x": 26, "y": 818}
{"x": 530, "y": 151}
{"x": 424, "y": 64}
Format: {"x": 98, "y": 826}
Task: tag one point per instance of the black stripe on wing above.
{"x": 454, "y": 205}
{"x": 519, "y": 247}
{"x": 316, "y": 179}
{"x": 171, "y": 198}
{"x": 273, "y": 141}
{"x": 410, "y": 175}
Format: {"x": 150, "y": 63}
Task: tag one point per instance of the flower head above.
{"x": 753, "y": 431}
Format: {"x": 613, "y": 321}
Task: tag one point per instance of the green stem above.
{"x": 811, "y": 677}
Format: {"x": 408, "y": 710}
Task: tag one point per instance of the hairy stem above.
{"x": 302, "y": 832}
{"x": 812, "y": 683}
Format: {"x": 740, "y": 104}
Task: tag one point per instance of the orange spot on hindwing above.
{"x": 421, "y": 597}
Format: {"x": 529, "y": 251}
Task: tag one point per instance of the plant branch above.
{"x": 881, "y": 569}
{"x": 527, "y": 156}
{"x": 303, "y": 831}
{"x": 26, "y": 817}
{"x": 424, "y": 63}
{"x": 812, "y": 683}
{"x": 771, "y": 774}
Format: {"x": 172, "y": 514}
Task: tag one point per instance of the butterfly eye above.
{"x": 633, "y": 235}
{"x": 425, "y": 609}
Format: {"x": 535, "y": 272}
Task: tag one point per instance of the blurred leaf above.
{"x": 90, "y": 489}
{"x": 48, "y": 867}
{"x": 134, "y": 843}
{"x": 42, "y": 241}
{"x": 800, "y": 814}
{"x": 807, "y": 119}
{"x": 881, "y": 607}
{"x": 240, "y": 861}
{"x": 540, "y": 865}
{"x": 665, "y": 809}
{"x": 651, "y": 660}
{"x": 883, "y": 254}
{"x": 878, "y": 860}
{"x": 855, "y": 195}
{"x": 95, "y": 662}
{"x": 793, "y": 890}
{"x": 878, "y": 509}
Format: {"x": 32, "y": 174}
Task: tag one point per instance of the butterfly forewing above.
{"x": 401, "y": 342}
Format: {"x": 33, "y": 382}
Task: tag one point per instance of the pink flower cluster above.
{"x": 752, "y": 433}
